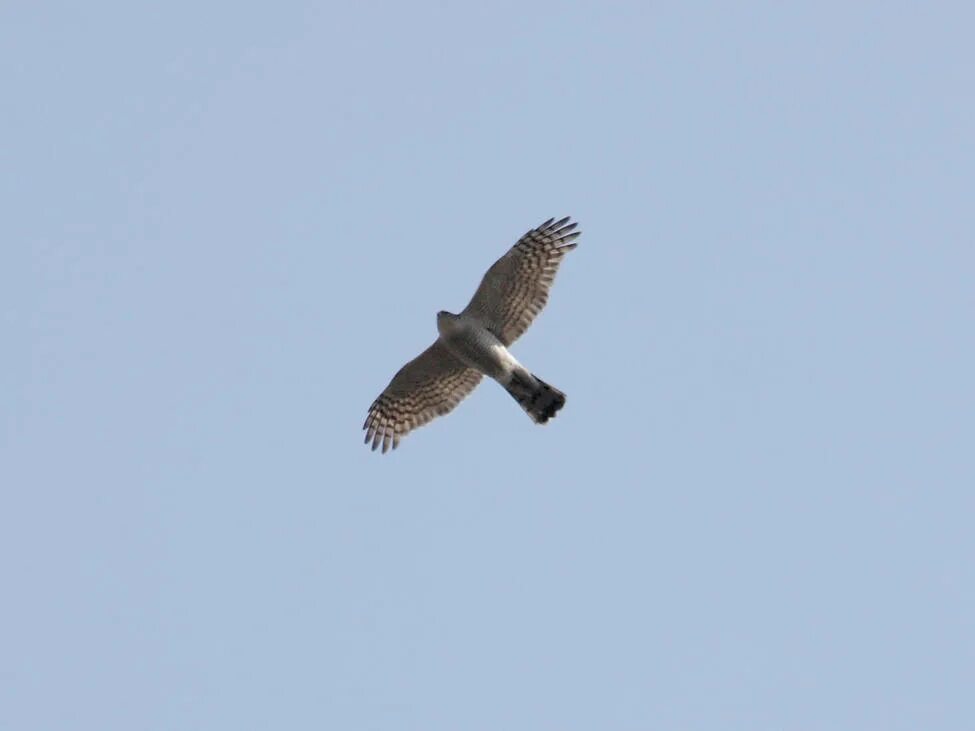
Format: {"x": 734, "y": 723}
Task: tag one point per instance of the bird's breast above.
{"x": 479, "y": 348}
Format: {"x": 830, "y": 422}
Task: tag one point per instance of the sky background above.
{"x": 224, "y": 227}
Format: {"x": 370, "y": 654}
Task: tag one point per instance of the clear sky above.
{"x": 225, "y": 226}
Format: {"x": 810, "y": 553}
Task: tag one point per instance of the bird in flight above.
{"x": 475, "y": 343}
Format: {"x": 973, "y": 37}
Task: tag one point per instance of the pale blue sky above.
{"x": 225, "y": 227}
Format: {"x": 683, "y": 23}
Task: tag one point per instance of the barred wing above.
{"x": 430, "y": 385}
{"x": 515, "y": 288}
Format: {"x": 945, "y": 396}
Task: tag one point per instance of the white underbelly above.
{"x": 480, "y": 349}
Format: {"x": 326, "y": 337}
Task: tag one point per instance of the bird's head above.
{"x": 444, "y": 321}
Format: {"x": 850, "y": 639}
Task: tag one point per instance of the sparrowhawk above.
{"x": 475, "y": 343}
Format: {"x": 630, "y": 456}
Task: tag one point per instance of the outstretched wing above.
{"x": 515, "y": 288}
{"x": 430, "y": 385}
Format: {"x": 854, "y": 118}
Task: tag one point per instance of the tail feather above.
{"x": 539, "y": 400}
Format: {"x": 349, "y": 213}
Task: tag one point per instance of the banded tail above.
{"x": 539, "y": 400}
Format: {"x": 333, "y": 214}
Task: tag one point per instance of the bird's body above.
{"x": 476, "y": 346}
{"x": 475, "y": 343}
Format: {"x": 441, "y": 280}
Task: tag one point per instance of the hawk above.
{"x": 475, "y": 343}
